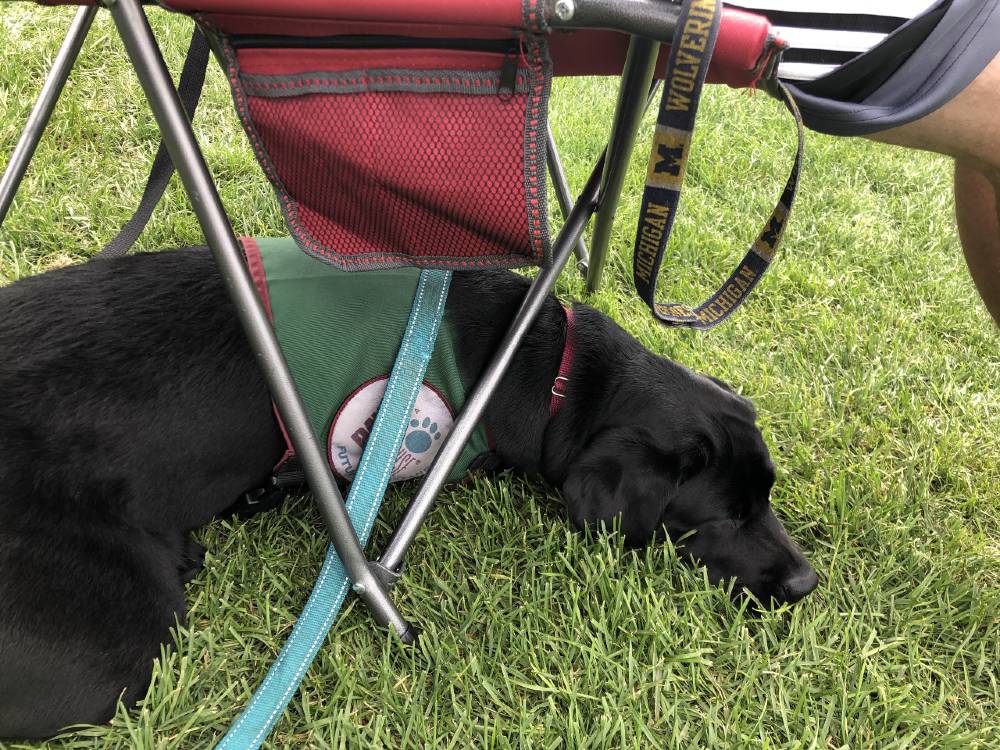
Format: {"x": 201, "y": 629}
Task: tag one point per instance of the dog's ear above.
{"x": 621, "y": 478}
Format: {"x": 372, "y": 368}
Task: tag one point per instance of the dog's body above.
{"x": 133, "y": 412}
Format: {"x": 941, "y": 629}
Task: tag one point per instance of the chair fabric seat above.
{"x": 742, "y": 35}
{"x": 398, "y": 133}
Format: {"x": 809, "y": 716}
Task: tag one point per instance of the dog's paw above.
{"x": 192, "y": 560}
{"x": 422, "y": 437}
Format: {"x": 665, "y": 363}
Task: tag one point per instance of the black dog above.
{"x": 134, "y": 412}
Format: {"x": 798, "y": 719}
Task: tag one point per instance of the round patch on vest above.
{"x": 351, "y": 427}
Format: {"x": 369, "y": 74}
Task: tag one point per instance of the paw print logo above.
{"x": 422, "y": 435}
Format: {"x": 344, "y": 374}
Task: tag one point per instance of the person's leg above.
{"x": 968, "y": 129}
{"x": 977, "y": 206}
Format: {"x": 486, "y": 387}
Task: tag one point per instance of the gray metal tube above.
{"x": 180, "y": 142}
{"x": 561, "y": 185}
{"x": 632, "y": 93}
{"x": 475, "y": 405}
{"x": 39, "y": 117}
{"x": 653, "y": 19}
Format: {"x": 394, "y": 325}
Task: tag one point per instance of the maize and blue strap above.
{"x": 687, "y": 66}
{"x": 269, "y": 701}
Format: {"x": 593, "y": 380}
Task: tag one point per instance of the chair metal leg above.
{"x": 180, "y": 141}
{"x": 39, "y": 117}
{"x": 389, "y": 564}
{"x": 392, "y": 557}
{"x": 561, "y": 185}
{"x": 636, "y": 79}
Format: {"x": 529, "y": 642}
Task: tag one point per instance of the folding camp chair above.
{"x": 449, "y": 76}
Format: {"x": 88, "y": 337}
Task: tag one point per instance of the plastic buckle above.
{"x": 259, "y": 500}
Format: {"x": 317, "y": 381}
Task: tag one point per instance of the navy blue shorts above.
{"x": 920, "y": 65}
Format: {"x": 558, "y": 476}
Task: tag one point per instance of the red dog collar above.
{"x": 559, "y": 386}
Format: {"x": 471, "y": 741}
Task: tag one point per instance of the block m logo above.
{"x": 670, "y": 159}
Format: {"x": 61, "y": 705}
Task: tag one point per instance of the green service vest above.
{"x": 340, "y": 333}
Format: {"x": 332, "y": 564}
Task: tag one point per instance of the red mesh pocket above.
{"x": 389, "y": 157}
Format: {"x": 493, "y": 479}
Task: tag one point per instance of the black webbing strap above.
{"x": 287, "y": 477}
{"x": 189, "y": 89}
{"x": 687, "y": 66}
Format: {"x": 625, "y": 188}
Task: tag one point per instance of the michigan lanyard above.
{"x": 687, "y": 66}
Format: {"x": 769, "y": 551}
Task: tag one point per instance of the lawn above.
{"x": 874, "y": 369}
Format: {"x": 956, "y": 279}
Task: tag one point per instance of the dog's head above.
{"x": 673, "y": 452}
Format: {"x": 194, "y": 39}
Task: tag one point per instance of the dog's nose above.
{"x": 800, "y": 583}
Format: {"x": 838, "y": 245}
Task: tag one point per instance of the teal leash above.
{"x": 270, "y": 700}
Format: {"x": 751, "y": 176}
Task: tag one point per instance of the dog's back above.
{"x": 102, "y": 368}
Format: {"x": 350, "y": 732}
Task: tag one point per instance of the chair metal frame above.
{"x": 654, "y": 19}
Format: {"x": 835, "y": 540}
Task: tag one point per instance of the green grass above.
{"x": 874, "y": 368}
